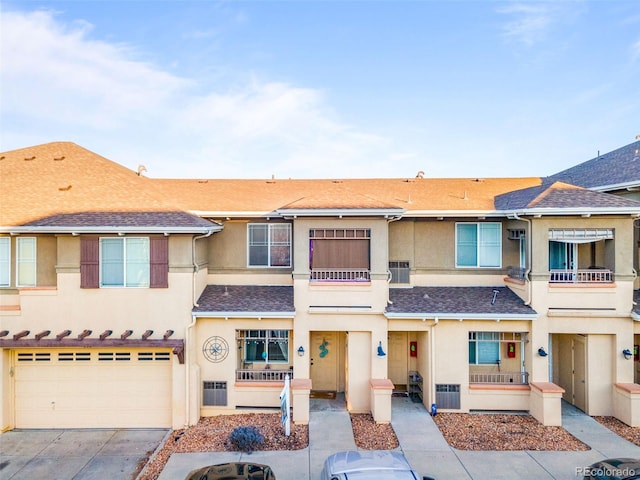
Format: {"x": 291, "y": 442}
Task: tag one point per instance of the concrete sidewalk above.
{"x": 424, "y": 447}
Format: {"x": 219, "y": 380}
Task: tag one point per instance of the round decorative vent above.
{"x": 215, "y": 349}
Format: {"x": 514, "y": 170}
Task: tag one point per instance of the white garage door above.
{"x": 93, "y": 388}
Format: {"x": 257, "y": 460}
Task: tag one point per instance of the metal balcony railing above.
{"x": 341, "y": 275}
{"x": 516, "y": 273}
{"x": 599, "y": 275}
{"x": 511, "y": 378}
{"x": 264, "y": 375}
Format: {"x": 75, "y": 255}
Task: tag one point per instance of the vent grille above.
{"x": 399, "y": 272}
{"x": 214, "y": 393}
{"x": 448, "y": 396}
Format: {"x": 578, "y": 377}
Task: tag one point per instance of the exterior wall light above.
{"x": 301, "y": 351}
{"x": 380, "y": 350}
{"x": 542, "y": 352}
{"x": 627, "y": 354}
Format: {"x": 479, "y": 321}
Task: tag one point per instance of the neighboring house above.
{"x": 127, "y": 301}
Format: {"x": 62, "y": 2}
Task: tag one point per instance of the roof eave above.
{"x": 632, "y": 186}
{"x": 110, "y": 229}
{"x": 340, "y": 212}
{"x": 496, "y": 317}
{"x": 258, "y": 315}
{"x": 633, "y": 211}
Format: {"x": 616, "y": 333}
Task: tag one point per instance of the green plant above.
{"x": 246, "y": 439}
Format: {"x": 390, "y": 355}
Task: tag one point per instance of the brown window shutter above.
{"x": 89, "y": 262}
{"x": 159, "y": 250}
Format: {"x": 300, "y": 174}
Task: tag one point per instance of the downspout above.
{"x": 191, "y": 325}
{"x": 529, "y": 245}
{"x": 432, "y": 362}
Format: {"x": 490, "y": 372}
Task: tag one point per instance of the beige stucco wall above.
{"x": 67, "y": 306}
{"x": 429, "y": 246}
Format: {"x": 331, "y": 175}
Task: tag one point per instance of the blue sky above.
{"x": 324, "y": 89}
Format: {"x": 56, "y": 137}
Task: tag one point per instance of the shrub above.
{"x": 246, "y": 439}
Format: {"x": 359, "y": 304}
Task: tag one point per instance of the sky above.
{"x": 323, "y": 89}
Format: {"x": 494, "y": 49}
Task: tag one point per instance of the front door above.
{"x": 398, "y": 363}
{"x": 579, "y": 373}
{"x": 324, "y": 361}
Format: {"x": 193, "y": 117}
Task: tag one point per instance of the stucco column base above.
{"x": 626, "y": 403}
{"x": 545, "y": 403}
{"x": 300, "y": 390}
{"x": 381, "y": 390}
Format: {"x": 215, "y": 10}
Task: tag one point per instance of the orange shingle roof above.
{"x": 64, "y": 178}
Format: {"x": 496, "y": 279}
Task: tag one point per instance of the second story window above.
{"x": 5, "y": 261}
{"x": 478, "y": 245}
{"x": 269, "y": 244}
{"x": 124, "y": 262}
{"x": 341, "y": 254}
{"x": 26, "y": 262}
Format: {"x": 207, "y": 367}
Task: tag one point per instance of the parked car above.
{"x": 233, "y": 471}
{"x": 368, "y": 465}
{"x": 614, "y": 469}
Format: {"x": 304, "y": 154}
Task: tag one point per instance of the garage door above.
{"x": 93, "y": 388}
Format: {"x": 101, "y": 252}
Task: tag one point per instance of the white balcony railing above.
{"x": 341, "y": 275}
{"x": 264, "y": 375}
{"x": 512, "y": 378}
{"x": 600, "y": 275}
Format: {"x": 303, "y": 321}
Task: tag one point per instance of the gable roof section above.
{"x": 61, "y": 185}
{"x": 245, "y": 301}
{"x": 611, "y": 171}
{"x": 457, "y": 303}
{"x": 416, "y": 197}
{"x": 558, "y": 196}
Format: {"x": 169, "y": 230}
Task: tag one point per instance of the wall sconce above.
{"x": 301, "y": 351}
{"x": 380, "y": 350}
{"x": 542, "y": 352}
{"x": 627, "y": 354}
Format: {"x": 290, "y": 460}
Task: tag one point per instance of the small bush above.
{"x": 246, "y": 439}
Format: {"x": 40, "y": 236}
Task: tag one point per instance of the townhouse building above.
{"x": 127, "y": 301}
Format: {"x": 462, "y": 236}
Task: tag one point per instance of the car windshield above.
{"x": 381, "y": 475}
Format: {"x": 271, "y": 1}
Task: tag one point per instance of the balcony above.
{"x": 591, "y": 275}
{"x": 340, "y": 275}
{"x": 516, "y": 273}
{"x": 263, "y": 375}
{"x": 499, "y": 378}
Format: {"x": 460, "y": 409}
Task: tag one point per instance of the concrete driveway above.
{"x": 76, "y": 454}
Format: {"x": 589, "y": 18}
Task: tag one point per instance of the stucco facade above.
{"x": 466, "y": 294}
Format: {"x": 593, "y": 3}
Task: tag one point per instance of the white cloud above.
{"x": 60, "y": 84}
{"x": 530, "y": 22}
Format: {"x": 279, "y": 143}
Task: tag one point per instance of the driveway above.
{"x": 76, "y": 454}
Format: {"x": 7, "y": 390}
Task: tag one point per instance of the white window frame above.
{"x": 5, "y": 261}
{"x": 480, "y": 244}
{"x": 26, "y": 261}
{"x": 481, "y": 337}
{"x": 125, "y": 283}
{"x": 270, "y": 227}
{"x": 266, "y": 336}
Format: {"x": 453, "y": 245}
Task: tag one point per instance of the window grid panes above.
{"x": 269, "y": 245}
{"x": 478, "y": 245}
{"x": 265, "y": 346}
{"x": 5, "y": 261}
{"x": 124, "y": 262}
{"x": 26, "y": 262}
{"x": 484, "y": 348}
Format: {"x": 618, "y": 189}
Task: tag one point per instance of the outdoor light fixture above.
{"x": 627, "y": 353}
{"x": 380, "y": 350}
{"x": 301, "y": 351}
{"x": 542, "y": 352}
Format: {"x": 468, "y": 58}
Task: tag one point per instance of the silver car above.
{"x": 368, "y": 465}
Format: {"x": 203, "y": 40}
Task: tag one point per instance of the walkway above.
{"x": 425, "y": 448}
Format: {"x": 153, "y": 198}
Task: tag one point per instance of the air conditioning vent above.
{"x": 516, "y": 233}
